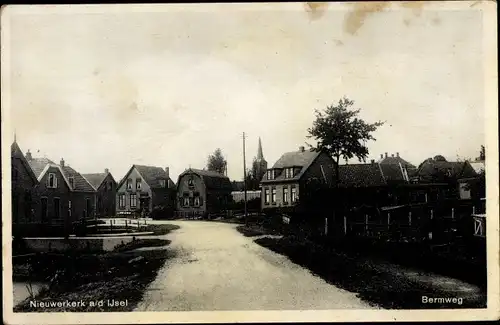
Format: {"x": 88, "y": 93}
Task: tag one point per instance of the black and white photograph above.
{"x": 250, "y": 162}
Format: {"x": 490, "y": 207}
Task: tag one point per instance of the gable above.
{"x": 133, "y": 174}
{"x": 62, "y": 181}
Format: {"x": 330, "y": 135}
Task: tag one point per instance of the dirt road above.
{"x": 217, "y": 268}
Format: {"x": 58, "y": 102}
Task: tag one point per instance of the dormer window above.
{"x": 190, "y": 182}
{"x": 289, "y": 172}
{"x": 138, "y": 184}
{"x": 270, "y": 174}
{"x": 52, "y": 181}
{"x": 162, "y": 183}
{"x": 71, "y": 182}
{"x": 129, "y": 184}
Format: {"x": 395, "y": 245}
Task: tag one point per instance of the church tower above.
{"x": 261, "y": 162}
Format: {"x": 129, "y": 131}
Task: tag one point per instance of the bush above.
{"x": 162, "y": 212}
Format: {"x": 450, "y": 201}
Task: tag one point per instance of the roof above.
{"x": 152, "y": 175}
{"x": 459, "y": 169}
{"x": 394, "y": 161}
{"x": 478, "y": 166}
{"x": 212, "y": 180}
{"x": 16, "y": 152}
{"x": 299, "y": 158}
{"x": 361, "y": 175}
{"x": 95, "y": 179}
{"x": 392, "y": 173}
{"x": 80, "y": 184}
{"x": 38, "y": 165}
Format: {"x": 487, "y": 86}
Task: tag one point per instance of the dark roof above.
{"x": 395, "y": 161}
{"x": 238, "y": 185}
{"x": 80, "y": 184}
{"x": 17, "y": 153}
{"x": 430, "y": 169}
{"x": 299, "y": 158}
{"x": 360, "y": 175}
{"x": 212, "y": 180}
{"x": 392, "y": 173}
{"x": 152, "y": 175}
{"x": 38, "y": 165}
{"x": 95, "y": 179}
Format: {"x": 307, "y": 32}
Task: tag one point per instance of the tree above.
{"x": 217, "y": 162}
{"x": 482, "y": 154}
{"x": 340, "y": 133}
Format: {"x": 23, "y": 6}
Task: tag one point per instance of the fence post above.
{"x": 388, "y": 220}
{"x": 366, "y": 224}
{"x": 326, "y": 226}
{"x": 432, "y": 214}
{"x": 126, "y": 225}
{"x": 345, "y": 225}
{"x": 453, "y": 213}
{"x": 473, "y": 209}
{"x": 111, "y": 224}
{"x": 409, "y": 218}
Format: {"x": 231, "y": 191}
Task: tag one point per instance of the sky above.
{"x": 111, "y": 86}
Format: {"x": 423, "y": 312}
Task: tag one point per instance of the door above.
{"x": 44, "y": 210}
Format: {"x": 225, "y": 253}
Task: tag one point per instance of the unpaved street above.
{"x": 217, "y": 268}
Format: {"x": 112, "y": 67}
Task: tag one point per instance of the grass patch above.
{"x": 97, "y": 278}
{"x": 161, "y": 229}
{"x": 139, "y": 243}
{"x": 255, "y": 230}
{"x": 375, "y": 282}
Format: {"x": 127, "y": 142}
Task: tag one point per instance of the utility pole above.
{"x": 245, "y": 178}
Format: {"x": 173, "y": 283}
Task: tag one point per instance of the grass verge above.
{"x": 375, "y": 282}
{"x": 95, "y": 280}
{"x": 161, "y": 229}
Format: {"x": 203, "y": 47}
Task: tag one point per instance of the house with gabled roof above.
{"x": 144, "y": 188}
{"x": 65, "y": 195}
{"x": 288, "y": 177}
{"x": 24, "y": 185}
{"x": 105, "y": 186}
{"x": 201, "y": 192}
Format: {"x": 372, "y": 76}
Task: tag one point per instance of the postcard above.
{"x": 250, "y": 162}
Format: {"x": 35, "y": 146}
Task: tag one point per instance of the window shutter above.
{"x": 55, "y": 181}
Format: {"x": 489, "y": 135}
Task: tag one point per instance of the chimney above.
{"x": 61, "y": 162}
{"x": 392, "y": 155}
{"x": 397, "y": 154}
{"x": 167, "y": 171}
{"x": 106, "y": 171}
{"x": 381, "y": 156}
{"x": 301, "y": 148}
{"x": 373, "y": 161}
{"x": 386, "y": 155}
{"x": 28, "y": 155}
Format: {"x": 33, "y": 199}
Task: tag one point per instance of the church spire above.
{"x": 260, "y": 155}
{"x": 15, "y": 137}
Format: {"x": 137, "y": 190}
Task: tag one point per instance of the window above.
{"x": 190, "y": 182}
{"x": 110, "y": 186}
{"x": 162, "y": 183}
{"x": 285, "y": 195}
{"x": 57, "y": 208}
{"x": 129, "y": 184}
{"x": 197, "y": 201}
{"x": 289, "y": 172}
{"x": 273, "y": 195}
{"x": 270, "y": 174}
{"x": 138, "y": 184}
{"x": 133, "y": 200}
{"x": 294, "y": 194}
{"x": 71, "y": 182}
{"x": 266, "y": 196}
{"x": 43, "y": 209}
{"x": 52, "y": 181}
{"x": 121, "y": 201}
{"x": 185, "y": 201}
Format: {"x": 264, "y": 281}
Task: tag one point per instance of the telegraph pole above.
{"x": 245, "y": 178}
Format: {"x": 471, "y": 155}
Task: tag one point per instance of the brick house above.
{"x": 290, "y": 175}
{"x": 144, "y": 188}
{"x": 65, "y": 196}
{"x": 24, "y": 185}
{"x": 200, "y": 192}
{"x": 105, "y": 186}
